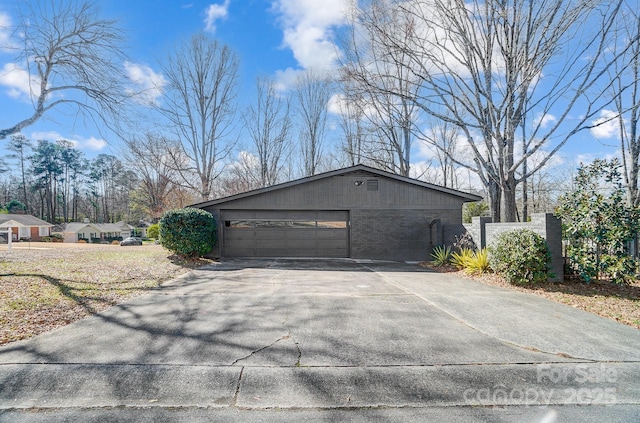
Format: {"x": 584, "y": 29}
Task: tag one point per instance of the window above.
{"x": 294, "y": 224}
{"x": 339, "y": 224}
{"x": 372, "y": 184}
{"x": 270, "y": 223}
{"x": 24, "y": 233}
{"x": 302, "y": 224}
{"x": 238, "y": 224}
{"x": 43, "y": 231}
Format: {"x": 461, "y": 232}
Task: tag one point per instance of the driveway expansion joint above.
{"x": 237, "y": 391}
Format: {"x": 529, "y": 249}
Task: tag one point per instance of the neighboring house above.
{"x": 25, "y": 226}
{"x": 358, "y": 212}
{"x": 141, "y": 229}
{"x": 126, "y": 230}
{"x": 75, "y": 231}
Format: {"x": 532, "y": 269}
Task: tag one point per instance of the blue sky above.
{"x": 272, "y": 37}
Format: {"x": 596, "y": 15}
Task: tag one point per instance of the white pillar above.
{"x": 9, "y": 237}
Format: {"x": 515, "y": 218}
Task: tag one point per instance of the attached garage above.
{"x": 357, "y": 212}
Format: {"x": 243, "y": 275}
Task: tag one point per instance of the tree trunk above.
{"x": 508, "y": 210}
{"x": 494, "y": 201}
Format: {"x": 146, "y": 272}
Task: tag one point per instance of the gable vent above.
{"x": 372, "y": 184}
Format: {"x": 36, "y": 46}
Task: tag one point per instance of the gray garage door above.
{"x": 280, "y": 233}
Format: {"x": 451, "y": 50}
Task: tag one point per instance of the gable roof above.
{"x": 341, "y": 172}
{"x": 98, "y": 227}
{"x": 24, "y": 220}
{"x": 110, "y": 227}
{"x": 77, "y": 226}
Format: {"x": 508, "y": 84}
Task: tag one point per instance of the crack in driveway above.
{"x": 254, "y": 352}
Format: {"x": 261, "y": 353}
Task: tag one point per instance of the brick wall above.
{"x": 389, "y": 234}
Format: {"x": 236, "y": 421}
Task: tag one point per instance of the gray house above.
{"x": 358, "y": 212}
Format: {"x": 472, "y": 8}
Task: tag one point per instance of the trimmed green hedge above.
{"x": 188, "y": 232}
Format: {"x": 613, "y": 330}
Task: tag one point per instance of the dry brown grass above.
{"x": 45, "y": 285}
{"x": 617, "y": 302}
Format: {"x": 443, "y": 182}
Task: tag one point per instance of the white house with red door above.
{"x": 25, "y": 226}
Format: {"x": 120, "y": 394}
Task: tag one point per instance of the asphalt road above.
{"x": 327, "y": 340}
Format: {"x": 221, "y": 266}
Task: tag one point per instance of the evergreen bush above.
{"x": 520, "y": 256}
{"x": 188, "y": 232}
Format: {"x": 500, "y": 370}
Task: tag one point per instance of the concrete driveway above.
{"x": 291, "y": 340}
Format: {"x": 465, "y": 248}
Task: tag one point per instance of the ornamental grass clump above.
{"x": 520, "y": 256}
{"x": 472, "y": 262}
{"x": 478, "y": 262}
{"x": 441, "y": 255}
{"x": 462, "y": 259}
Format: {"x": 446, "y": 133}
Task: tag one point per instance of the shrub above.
{"x": 470, "y": 210}
{"x": 598, "y": 224}
{"x": 441, "y": 255}
{"x": 82, "y": 241}
{"x": 153, "y": 231}
{"x": 461, "y": 260}
{"x": 188, "y": 231}
{"x": 521, "y": 257}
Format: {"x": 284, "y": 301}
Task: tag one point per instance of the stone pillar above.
{"x": 553, "y": 227}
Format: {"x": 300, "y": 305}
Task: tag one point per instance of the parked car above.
{"x": 132, "y": 240}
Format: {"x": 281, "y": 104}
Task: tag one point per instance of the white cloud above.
{"x": 338, "y": 104}
{"x": 608, "y": 125}
{"x": 49, "y": 136}
{"x": 308, "y": 30}
{"x": 556, "y": 161}
{"x": 149, "y": 84}
{"x": 95, "y": 144}
{"x": 19, "y": 84}
{"x": 287, "y": 78}
{"x": 5, "y": 32}
{"x": 214, "y": 13}
{"x": 82, "y": 143}
{"x": 543, "y": 120}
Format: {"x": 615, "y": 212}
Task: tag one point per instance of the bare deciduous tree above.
{"x": 312, "y": 95}
{"x": 200, "y": 106}
{"x": 490, "y": 67}
{"x": 72, "y": 57}
{"x": 354, "y": 129}
{"x": 269, "y": 124}
{"x": 380, "y": 79}
{"x": 626, "y": 95}
{"x": 442, "y": 138}
{"x": 153, "y": 163}
{"x": 242, "y": 175}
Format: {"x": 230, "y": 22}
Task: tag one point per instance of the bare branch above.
{"x": 70, "y": 52}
